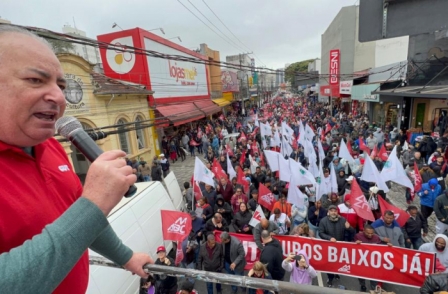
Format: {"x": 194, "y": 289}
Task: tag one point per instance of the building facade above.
{"x": 116, "y": 108}
{"x": 89, "y": 53}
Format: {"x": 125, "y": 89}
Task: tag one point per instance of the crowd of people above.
{"x": 229, "y": 205}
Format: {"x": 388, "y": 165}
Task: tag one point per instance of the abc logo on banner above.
{"x": 176, "y": 225}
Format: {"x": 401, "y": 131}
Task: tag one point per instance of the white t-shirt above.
{"x": 281, "y": 222}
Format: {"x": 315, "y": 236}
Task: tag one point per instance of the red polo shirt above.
{"x": 35, "y": 191}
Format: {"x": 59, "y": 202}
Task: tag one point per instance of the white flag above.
{"x": 272, "y": 158}
{"x": 334, "y": 182}
{"x": 344, "y": 153}
{"x": 312, "y": 168}
{"x": 257, "y": 216}
{"x": 321, "y": 150}
{"x": 309, "y": 133}
{"x": 285, "y": 149}
{"x": 371, "y": 174}
{"x": 285, "y": 173}
{"x": 295, "y": 196}
{"x": 302, "y": 136}
{"x": 276, "y": 142}
{"x": 405, "y": 145}
{"x": 202, "y": 173}
{"x": 300, "y": 175}
{"x": 394, "y": 171}
{"x": 287, "y": 131}
{"x": 230, "y": 170}
{"x": 253, "y": 165}
{"x": 321, "y": 188}
{"x": 256, "y": 123}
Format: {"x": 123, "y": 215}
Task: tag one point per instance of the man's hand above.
{"x": 426, "y": 192}
{"x": 358, "y": 242}
{"x": 332, "y": 240}
{"x": 408, "y": 240}
{"x": 136, "y": 263}
{"x": 347, "y": 225}
{"x": 390, "y": 244}
{"x": 108, "y": 179}
{"x": 272, "y": 234}
{"x": 386, "y": 240}
{"x": 425, "y": 234}
{"x": 232, "y": 266}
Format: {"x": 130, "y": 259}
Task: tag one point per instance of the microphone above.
{"x": 71, "y": 129}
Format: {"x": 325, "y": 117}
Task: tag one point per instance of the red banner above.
{"x": 369, "y": 261}
{"x": 176, "y": 225}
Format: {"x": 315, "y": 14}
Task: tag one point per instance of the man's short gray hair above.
{"x": 210, "y": 237}
{"x": 265, "y": 234}
{"x": 225, "y": 236}
{"x": 10, "y": 29}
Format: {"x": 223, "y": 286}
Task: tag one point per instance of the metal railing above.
{"x": 240, "y": 281}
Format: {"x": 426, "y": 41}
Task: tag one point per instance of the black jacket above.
{"x": 165, "y": 282}
{"x": 156, "y": 173}
{"x": 441, "y": 208}
{"x": 227, "y": 213}
{"x": 213, "y": 264}
{"x": 329, "y": 229}
{"x": 434, "y": 283}
{"x": 272, "y": 255}
{"x": 240, "y": 220}
{"x": 210, "y": 226}
{"x": 413, "y": 228}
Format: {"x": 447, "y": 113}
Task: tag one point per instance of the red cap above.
{"x": 161, "y": 248}
{"x": 347, "y": 198}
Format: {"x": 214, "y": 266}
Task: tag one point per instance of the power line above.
{"x": 232, "y": 32}
{"x": 207, "y": 25}
{"x": 237, "y": 46}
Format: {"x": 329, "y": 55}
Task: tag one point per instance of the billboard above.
{"x": 171, "y": 80}
{"x": 229, "y": 80}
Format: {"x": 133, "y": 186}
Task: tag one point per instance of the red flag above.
{"x": 383, "y": 153}
{"x": 207, "y": 129}
{"x": 363, "y": 146}
{"x": 241, "y": 179}
{"x": 238, "y": 125}
{"x": 401, "y": 216}
{"x": 197, "y": 191}
{"x": 265, "y": 197}
{"x": 221, "y": 117}
{"x": 254, "y": 148}
{"x": 218, "y": 171}
{"x": 229, "y": 150}
{"x": 179, "y": 254}
{"x": 327, "y": 128}
{"x": 359, "y": 203}
{"x": 243, "y": 158}
{"x": 199, "y": 133}
{"x": 193, "y": 142}
{"x": 417, "y": 178}
{"x": 349, "y": 147}
{"x": 295, "y": 145}
{"x": 176, "y": 225}
{"x": 254, "y": 133}
{"x": 242, "y": 136}
{"x": 374, "y": 152}
{"x": 262, "y": 163}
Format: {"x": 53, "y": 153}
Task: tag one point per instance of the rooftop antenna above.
{"x": 74, "y": 23}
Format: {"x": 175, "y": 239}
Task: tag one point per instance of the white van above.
{"x": 137, "y": 221}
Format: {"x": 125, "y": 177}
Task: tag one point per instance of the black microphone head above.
{"x": 66, "y": 125}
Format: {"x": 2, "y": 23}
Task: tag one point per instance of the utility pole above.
{"x": 241, "y": 84}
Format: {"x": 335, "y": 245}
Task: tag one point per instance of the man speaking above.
{"x": 47, "y": 219}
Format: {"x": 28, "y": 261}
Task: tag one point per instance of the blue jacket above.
{"x": 428, "y": 199}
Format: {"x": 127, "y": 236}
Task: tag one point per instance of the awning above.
{"x": 207, "y": 106}
{"x": 221, "y": 102}
{"x": 440, "y": 92}
{"x": 180, "y": 113}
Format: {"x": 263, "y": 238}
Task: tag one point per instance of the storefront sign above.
{"x": 345, "y": 99}
{"x": 364, "y": 93}
{"x": 345, "y": 87}
{"x": 374, "y": 262}
{"x": 76, "y": 102}
{"x": 334, "y": 66}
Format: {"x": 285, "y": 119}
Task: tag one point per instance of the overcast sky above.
{"x": 277, "y": 31}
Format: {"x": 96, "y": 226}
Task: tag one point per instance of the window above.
{"x": 123, "y": 136}
{"x": 140, "y": 132}
{"x": 78, "y": 154}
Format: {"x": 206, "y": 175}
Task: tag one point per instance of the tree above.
{"x": 294, "y": 69}
{"x": 60, "y": 46}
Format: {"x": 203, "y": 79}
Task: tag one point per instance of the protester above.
{"x": 428, "y": 195}
{"x": 367, "y": 236}
{"x": 216, "y": 223}
{"x": 234, "y": 257}
{"x": 438, "y": 246}
{"x": 211, "y": 258}
{"x": 389, "y": 230}
{"x": 441, "y": 211}
{"x": 272, "y": 255}
{"x": 259, "y": 271}
{"x": 48, "y": 218}
{"x": 298, "y": 265}
{"x": 238, "y": 198}
{"x": 283, "y": 206}
{"x": 187, "y": 288}
{"x": 223, "y": 208}
{"x": 165, "y": 284}
{"x": 416, "y": 227}
{"x": 315, "y": 215}
{"x": 267, "y": 225}
{"x": 282, "y": 221}
{"x": 241, "y": 220}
